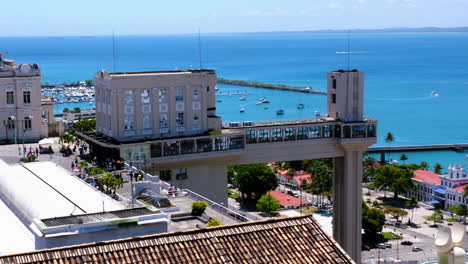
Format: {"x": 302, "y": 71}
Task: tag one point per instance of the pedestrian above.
{"x": 37, "y": 151}
{"x": 19, "y": 151}
{"x": 73, "y": 165}
{"x": 24, "y": 150}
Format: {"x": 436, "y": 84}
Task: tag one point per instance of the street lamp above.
{"x": 13, "y": 118}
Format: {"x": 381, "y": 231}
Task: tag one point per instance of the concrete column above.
{"x": 347, "y": 203}
{"x": 209, "y": 181}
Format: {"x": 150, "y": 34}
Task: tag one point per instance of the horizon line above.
{"x": 426, "y": 29}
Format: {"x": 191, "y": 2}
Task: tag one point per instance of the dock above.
{"x": 455, "y": 147}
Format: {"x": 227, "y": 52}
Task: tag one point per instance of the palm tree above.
{"x": 465, "y": 192}
{"x": 389, "y": 139}
{"x": 403, "y": 157}
{"x": 411, "y": 204}
{"x": 438, "y": 168}
{"x": 424, "y": 165}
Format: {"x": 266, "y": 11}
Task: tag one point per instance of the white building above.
{"x": 24, "y": 115}
{"x": 43, "y": 206}
{"x": 443, "y": 190}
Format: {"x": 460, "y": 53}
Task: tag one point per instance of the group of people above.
{"x": 31, "y": 151}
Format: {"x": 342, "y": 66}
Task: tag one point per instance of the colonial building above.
{"x": 24, "y": 116}
{"x": 442, "y": 190}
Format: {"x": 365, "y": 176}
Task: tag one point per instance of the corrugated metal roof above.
{"x": 285, "y": 240}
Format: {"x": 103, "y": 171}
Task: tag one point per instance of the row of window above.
{"x": 10, "y": 97}
{"x": 180, "y": 174}
{"x": 129, "y": 122}
{"x": 189, "y": 146}
{"x": 27, "y": 123}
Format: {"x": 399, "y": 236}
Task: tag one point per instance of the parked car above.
{"x": 293, "y": 193}
{"x": 407, "y": 243}
{"x": 388, "y": 245}
{"x": 381, "y": 246}
{"x": 417, "y": 249}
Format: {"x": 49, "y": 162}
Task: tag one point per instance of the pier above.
{"x": 270, "y": 86}
{"x": 456, "y": 147}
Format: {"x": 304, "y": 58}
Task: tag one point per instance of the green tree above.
{"x": 199, "y": 207}
{"x": 89, "y": 82}
{"x": 268, "y": 204}
{"x": 438, "y": 168}
{"x": 395, "y": 212}
{"x": 411, "y": 204}
{"x": 461, "y": 210}
{"x": 403, "y": 157}
{"x": 66, "y": 110}
{"x": 83, "y": 164}
{"x": 397, "y": 179}
{"x": 389, "y": 139}
{"x": 109, "y": 182}
{"x": 435, "y": 217}
{"x": 453, "y": 209}
{"x": 213, "y": 222}
{"x": 373, "y": 220}
{"x": 322, "y": 178}
{"x": 83, "y": 125}
{"x": 424, "y": 165}
{"x": 254, "y": 179}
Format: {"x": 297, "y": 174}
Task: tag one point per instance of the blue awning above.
{"x": 433, "y": 202}
{"x": 440, "y": 190}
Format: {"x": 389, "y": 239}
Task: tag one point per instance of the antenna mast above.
{"x": 199, "y": 50}
{"x": 349, "y": 50}
{"x": 113, "y": 48}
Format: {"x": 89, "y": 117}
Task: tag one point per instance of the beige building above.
{"x": 151, "y": 105}
{"x": 24, "y": 114}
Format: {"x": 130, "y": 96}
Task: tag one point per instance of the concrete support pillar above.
{"x": 347, "y": 203}
{"x": 209, "y": 181}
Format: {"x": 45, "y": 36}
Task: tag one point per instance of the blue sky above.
{"x": 98, "y": 17}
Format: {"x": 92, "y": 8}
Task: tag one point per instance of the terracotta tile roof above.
{"x": 426, "y": 176}
{"x": 285, "y": 240}
{"x": 286, "y": 199}
{"x": 298, "y": 176}
{"x": 460, "y": 189}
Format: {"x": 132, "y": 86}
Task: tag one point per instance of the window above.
{"x": 171, "y": 148}
{"x": 27, "y": 97}
{"x": 27, "y": 123}
{"x": 179, "y": 97}
{"x": 145, "y": 97}
{"x": 289, "y": 133}
{"x": 302, "y": 132}
{"x": 196, "y": 97}
{"x": 251, "y": 136}
{"x": 165, "y": 175}
{"x": 147, "y": 122}
{"x": 333, "y": 98}
{"x": 129, "y": 123}
{"x": 208, "y": 88}
{"x": 196, "y": 122}
{"x": 155, "y": 150}
{"x": 180, "y": 120}
{"x": 11, "y": 123}
{"x": 163, "y": 96}
{"x": 277, "y": 134}
{"x": 181, "y": 174}
{"x": 334, "y": 83}
{"x": 163, "y": 121}
{"x": 263, "y": 135}
{"x": 10, "y": 97}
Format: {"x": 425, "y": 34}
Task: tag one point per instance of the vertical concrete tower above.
{"x": 346, "y": 104}
{"x": 346, "y": 95}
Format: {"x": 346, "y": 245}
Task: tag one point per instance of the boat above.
{"x": 266, "y": 107}
{"x": 218, "y": 101}
{"x": 280, "y": 112}
{"x": 243, "y": 98}
{"x": 300, "y": 106}
{"x": 317, "y": 113}
{"x": 259, "y": 102}
{"x": 434, "y": 93}
{"x": 307, "y": 88}
{"x": 265, "y": 101}
{"x": 242, "y": 110}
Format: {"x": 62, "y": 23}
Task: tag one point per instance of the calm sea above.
{"x": 401, "y": 72}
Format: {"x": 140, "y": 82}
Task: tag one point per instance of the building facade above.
{"x": 22, "y": 115}
{"x": 150, "y": 105}
{"x": 441, "y": 190}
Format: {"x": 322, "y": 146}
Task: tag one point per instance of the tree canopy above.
{"x": 267, "y": 204}
{"x": 395, "y": 212}
{"x": 397, "y": 179}
{"x": 254, "y": 179}
{"x": 438, "y": 168}
{"x": 373, "y": 220}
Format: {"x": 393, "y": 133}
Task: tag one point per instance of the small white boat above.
{"x": 317, "y": 113}
{"x": 243, "y": 98}
{"x": 280, "y": 112}
{"x": 434, "y": 93}
{"x": 307, "y": 88}
{"x": 242, "y": 110}
{"x": 300, "y": 106}
{"x": 265, "y": 101}
{"x": 259, "y": 102}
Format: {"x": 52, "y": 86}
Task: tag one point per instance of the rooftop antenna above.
{"x": 113, "y": 48}
{"x": 199, "y": 49}
{"x": 349, "y": 50}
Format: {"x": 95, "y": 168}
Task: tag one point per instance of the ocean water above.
{"x": 401, "y": 71}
